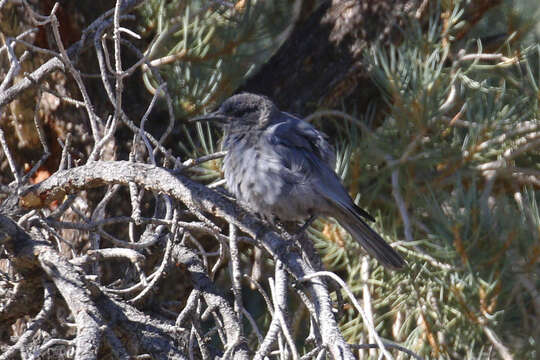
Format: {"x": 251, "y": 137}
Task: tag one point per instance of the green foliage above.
{"x": 205, "y": 49}
{"x": 461, "y": 130}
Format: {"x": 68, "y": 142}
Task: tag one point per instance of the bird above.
{"x": 282, "y": 168}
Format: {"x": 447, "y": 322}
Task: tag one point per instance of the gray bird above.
{"x": 282, "y": 167}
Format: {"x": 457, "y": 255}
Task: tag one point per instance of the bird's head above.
{"x": 242, "y": 110}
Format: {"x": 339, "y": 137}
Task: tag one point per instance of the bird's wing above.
{"x": 296, "y": 133}
{"x": 308, "y": 157}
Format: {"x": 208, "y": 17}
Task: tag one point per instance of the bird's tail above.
{"x": 375, "y": 246}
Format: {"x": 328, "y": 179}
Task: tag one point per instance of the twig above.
{"x": 142, "y": 133}
{"x": 42, "y": 140}
{"x": 162, "y": 83}
{"x": 14, "y": 67}
{"x": 475, "y": 57}
{"x": 519, "y": 129}
{"x": 280, "y": 303}
{"x": 499, "y": 346}
{"x": 219, "y": 261}
{"x": 110, "y": 129}
{"x": 366, "y": 295}
{"x": 401, "y": 204}
{"x": 191, "y": 305}
{"x": 156, "y": 336}
{"x": 526, "y": 143}
{"x": 389, "y": 345}
{"x": 280, "y": 285}
{"x": 51, "y": 343}
{"x": 199, "y": 246}
{"x": 30, "y": 80}
{"x": 77, "y": 296}
{"x": 351, "y": 296}
{"x": 263, "y": 293}
{"x": 450, "y": 100}
{"x": 64, "y": 160}
{"x": 94, "y": 119}
{"x": 54, "y": 233}
{"x": 19, "y": 38}
{"x": 193, "y": 162}
{"x": 214, "y": 299}
{"x": 253, "y": 324}
{"x": 35, "y": 324}
{"x": 136, "y": 287}
{"x": 236, "y": 274}
{"x": 135, "y": 206}
{"x": 164, "y": 263}
{"x": 132, "y": 256}
{"x": 197, "y": 331}
{"x": 10, "y": 159}
{"x": 100, "y": 47}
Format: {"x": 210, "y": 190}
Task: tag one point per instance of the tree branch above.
{"x": 194, "y": 195}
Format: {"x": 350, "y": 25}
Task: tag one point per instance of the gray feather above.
{"x": 282, "y": 167}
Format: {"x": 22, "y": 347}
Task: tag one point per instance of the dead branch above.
{"x": 194, "y": 195}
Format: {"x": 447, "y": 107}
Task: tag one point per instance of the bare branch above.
{"x": 367, "y": 321}
{"x": 214, "y": 299}
{"x": 79, "y": 300}
{"x": 37, "y": 322}
{"x": 236, "y": 274}
{"x": 198, "y": 196}
{"x": 9, "y": 157}
{"x": 38, "y": 75}
{"x": 280, "y": 307}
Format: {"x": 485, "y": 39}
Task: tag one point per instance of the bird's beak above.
{"x": 213, "y": 116}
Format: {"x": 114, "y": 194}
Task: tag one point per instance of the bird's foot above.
{"x": 297, "y": 234}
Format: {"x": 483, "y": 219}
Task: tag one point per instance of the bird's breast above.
{"x": 260, "y": 180}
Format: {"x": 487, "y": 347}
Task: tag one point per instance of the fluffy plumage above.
{"x": 282, "y": 167}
